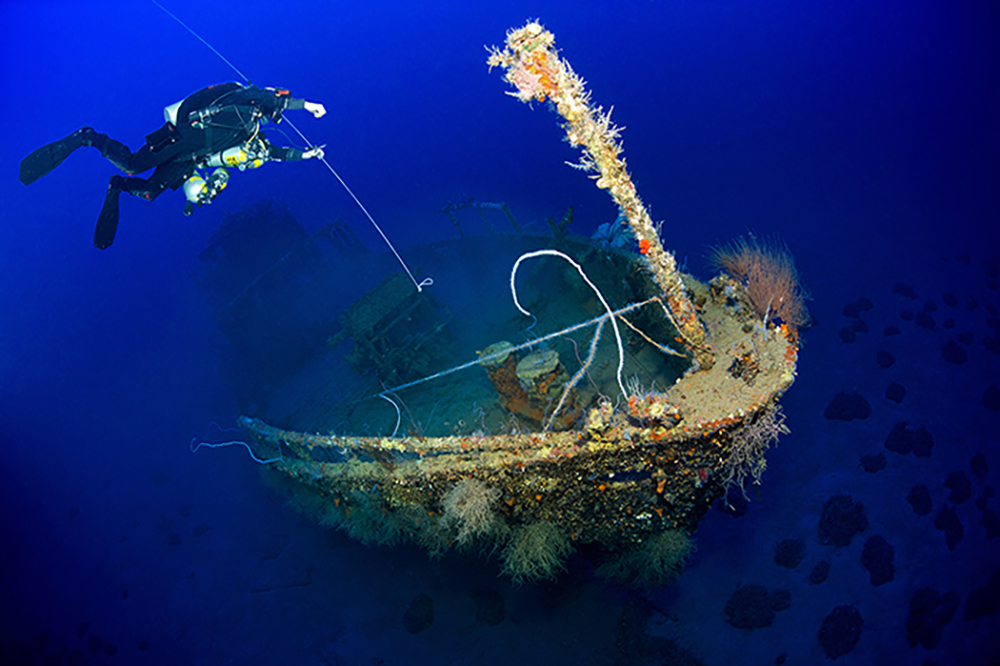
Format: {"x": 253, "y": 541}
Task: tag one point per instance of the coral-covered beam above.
{"x": 538, "y": 74}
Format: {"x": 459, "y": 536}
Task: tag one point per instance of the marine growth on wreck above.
{"x": 640, "y": 396}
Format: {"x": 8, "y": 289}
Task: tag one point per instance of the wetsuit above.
{"x": 208, "y": 121}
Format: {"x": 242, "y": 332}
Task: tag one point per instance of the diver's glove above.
{"x": 318, "y": 110}
{"x": 316, "y": 151}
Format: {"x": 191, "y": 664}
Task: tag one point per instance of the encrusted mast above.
{"x": 631, "y": 483}
{"x": 538, "y": 73}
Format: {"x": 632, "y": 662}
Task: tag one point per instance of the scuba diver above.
{"x": 218, "y": 126}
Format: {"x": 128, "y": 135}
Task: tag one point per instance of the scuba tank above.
{"x": 170, "y": 112}
{"x": 249, "y": 155}
{"x": 200, "y": 191}
{"x": 242, "y": 157}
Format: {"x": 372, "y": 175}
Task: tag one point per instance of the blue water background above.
{"x": 865, "y": 134}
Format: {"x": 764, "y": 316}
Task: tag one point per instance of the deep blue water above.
{"x": 865, "y": 134}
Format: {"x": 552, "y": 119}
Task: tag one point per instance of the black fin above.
{"x": 107, "y": 222}
{"x": 43, "y": 160}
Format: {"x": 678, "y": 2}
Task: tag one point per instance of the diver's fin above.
{"x": 107, "y": 221}
{"x": 48, "y": 157}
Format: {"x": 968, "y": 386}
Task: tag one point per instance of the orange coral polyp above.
{"x": 537, "y": 72}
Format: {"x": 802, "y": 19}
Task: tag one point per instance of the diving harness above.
{"x": 202, "y": 187}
